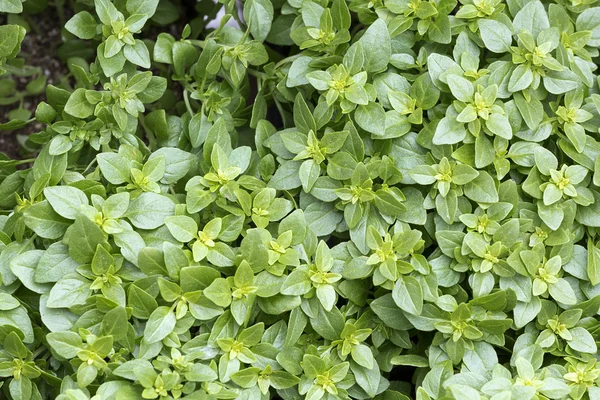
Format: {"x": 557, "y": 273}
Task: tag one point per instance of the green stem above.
{"x": 26, "y": 122}
{"x": 199, "y": 43}
{"x": 288, "y": 59}
{"x": 187, "y": 102}
{"x": 236, "y": 16}
{"x": 22, "y": 71}
{"x": 33, "y": 25}
{"x": 12, "y": 99}
{"x": 256, "y": 73}
{"x": 281, "y": 111}
{"x": 209, "y": 17}
{"x": 60, "y": 10}
{"x": 89, "y": 165}
{"x": 149, "y": 134}
{"x": 21, "y": 162}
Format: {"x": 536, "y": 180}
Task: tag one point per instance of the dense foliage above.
{"x": 311, "y": 200}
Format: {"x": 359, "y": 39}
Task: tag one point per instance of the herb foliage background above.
{"x": 315, "y": 200}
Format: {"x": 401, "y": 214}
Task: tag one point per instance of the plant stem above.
{"x": 187, "y": 102}
{"x": 149, "y": 134}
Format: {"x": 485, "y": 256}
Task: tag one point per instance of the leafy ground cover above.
{"x": 310, "y": 199}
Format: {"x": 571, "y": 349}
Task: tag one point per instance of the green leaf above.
{"x": 142, "y": 7}
{"x": 149, "y": 210}
{"x": 114, "y": 167}
{"x": 78, "y": 105}
{"x": 499, "y": 125}
{"x": 160, "y": 324}
{"x": 589, "y": 20}
{"x": 363, "y": 356}
{"x": 83, "y": 25}
{"x": 328, "y": 324}
{"x": 258, "y": 14}
{"x": 219, "y": 292}
{"x": 593, "y": 263}
{"x": 70, "y": 290}
{"x": 20, "y": 388}
{"x": 85, "y": 236}
{"x": 137, "y": 54}
{"x": 461, "y": 88}
{"x": 183, "y": 228}
{"x": 110, "y": 66}
{"x": 308, "y": 173}
{"x": 377, "y": 40}
{"x": 11, "y": 37}
{"x": 371, "y": 118}
{"x": 521, "y": 78}
{"x": 449, "y": 131}
{"x": 86, "y": 374}
{"x": 532, "y": 111}
{"x": 582, "y": 341}
{"x": 561, "y": 291}
{"x": 440, "y": 30}
{"x": 561, "y": 82}
{"x": 12, "y": 7}
{"x": 496, "y": 36}
{"x": 8, "y": 302}
{"x": 482, "y": 189}
{"x": 200, "y": 373}
{"x": 463, "y": 174}
{"x": 44, "y": 221}
{"x": 303, "y": 117}
{"x": 106, "y": 11}
{"x": 65, "y": 344}
{"x": 66, "y": 200}
{"x": 142, "y": 303}
{"x": 24, "y": 266}
{"x": 408, "y": 295}
{"x": 287, "y": 176}
{"x": 532, "y": 18}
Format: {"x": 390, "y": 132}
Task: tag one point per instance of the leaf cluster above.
{"x": 318, "y": 199}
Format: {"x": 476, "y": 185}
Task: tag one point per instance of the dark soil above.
{"x": 39, "y": 49}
